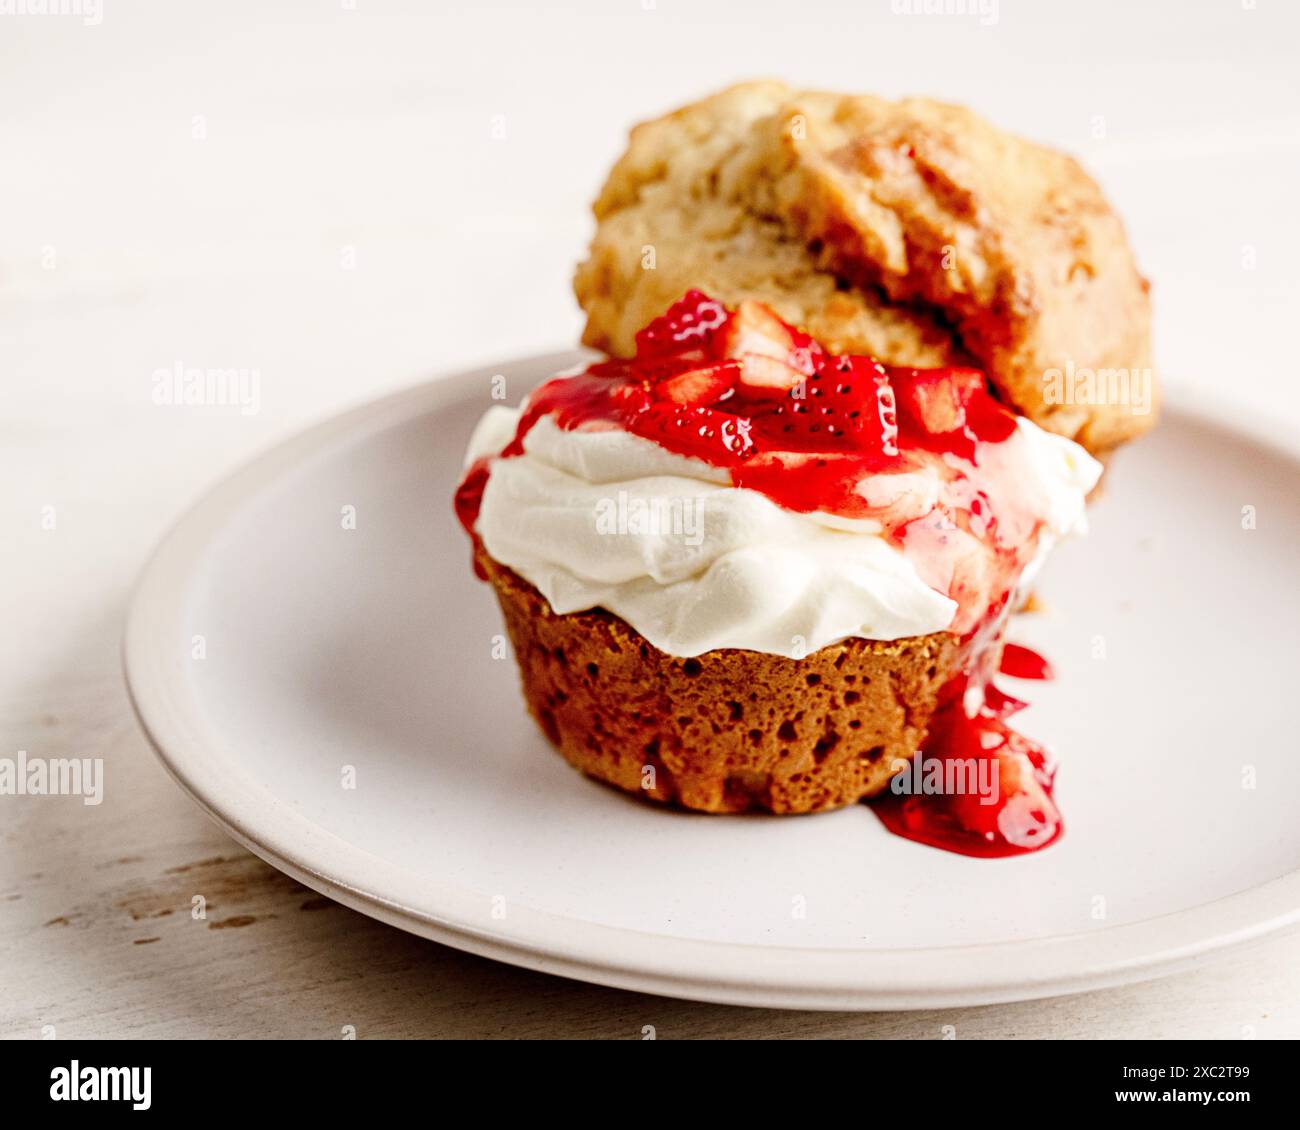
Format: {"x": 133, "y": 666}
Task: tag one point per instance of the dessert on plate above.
{"x": 762, "y": 556}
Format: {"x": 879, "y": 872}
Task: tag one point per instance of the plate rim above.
{"x": 697, "y": 969}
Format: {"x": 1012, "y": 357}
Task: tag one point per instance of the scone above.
{"x": 729, "y": 730}
{"x": 911, "y": 231}
{"x": 740, "y": 571}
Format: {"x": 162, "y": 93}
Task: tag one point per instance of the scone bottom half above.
{"x": 730, "y": 730}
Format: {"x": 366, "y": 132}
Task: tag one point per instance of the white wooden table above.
{"x": 348, "y": 197}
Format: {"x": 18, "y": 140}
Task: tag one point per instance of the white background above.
{"x": 320, "y": 191}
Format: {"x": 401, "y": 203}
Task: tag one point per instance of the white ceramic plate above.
{"x": 1172, "y": 627}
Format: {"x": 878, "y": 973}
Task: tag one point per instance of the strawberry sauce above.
{"x": 1021, "y": 662}
{"x": 925, "y": 458}
{"x": 1014, "y": 774}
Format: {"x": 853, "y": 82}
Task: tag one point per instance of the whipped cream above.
{"x": 598, "y": 517}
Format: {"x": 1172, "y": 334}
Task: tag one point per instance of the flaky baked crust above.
{"x": 913, "y": 231}
{"x": 730, "y": 730}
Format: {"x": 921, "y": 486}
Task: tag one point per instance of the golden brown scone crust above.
{"x": 912, "y": 230}
{"x": 731, "y": 730}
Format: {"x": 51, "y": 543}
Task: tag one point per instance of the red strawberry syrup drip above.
{"x": 469, "y": 500}
{"x": 1021, "y": 662}
{"x": 922, "y": 455}
{"x": 997, "y": 787}
{"x": 1019, "y": 814}
{"x": 996, "y": 797}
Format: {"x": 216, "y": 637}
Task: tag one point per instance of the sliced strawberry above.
{"x": 967, "y": 808}
{"x": 887, "y": 414}
{"x": 790, "y": 423}
{"x": 996, "y": 797}
{"x": 702, "y": 433}
{"x": 845, "y": 405}
{"x": 690, "y": 321}
{"x": 935, "y": 400}
{"x": 773, "y": 356}
{"x": 629, "y": 397}
{"x": 1006, "y": 796}
{"x": 753, "y": 328}
{"x": 705, "y": 385}
{"x": 759, "y": 371}
{"x": 1028, "y": 816}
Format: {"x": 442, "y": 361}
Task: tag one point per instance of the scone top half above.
{"x": 911, "y": 231}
